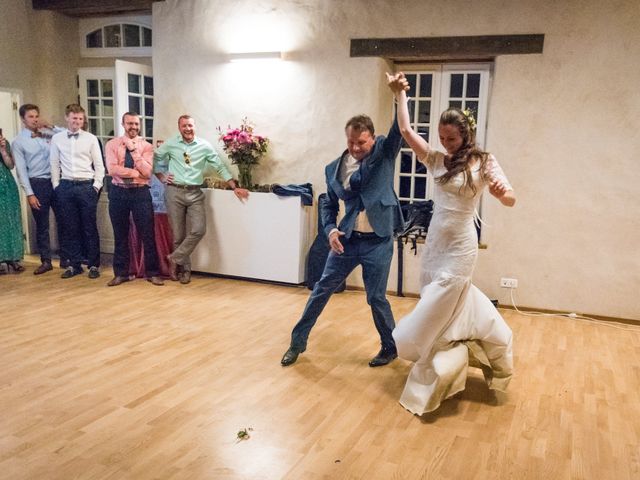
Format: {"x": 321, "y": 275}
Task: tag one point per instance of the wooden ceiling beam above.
{"x": 89, "y": 8}
{"x": 442, "y": 48}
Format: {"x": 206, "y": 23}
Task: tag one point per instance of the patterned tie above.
{"x": 128, "y": 159}
{"x": 75, "y": 135}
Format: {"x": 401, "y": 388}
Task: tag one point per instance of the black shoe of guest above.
{"x": 43, "y": 268}
{"x": 94, "y": 273}
{"x": 71, "y": 272}
{"x": 290, "y": 357}
{"x": 382, "y": 358}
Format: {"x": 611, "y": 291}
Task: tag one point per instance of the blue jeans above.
{"x": 374, "y": 254}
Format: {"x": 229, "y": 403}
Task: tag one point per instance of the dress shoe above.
{"x": 71, "y": 272}
{"x": 94, "y": 273}
{"x": 173, "y": 269}
{"x": 43, "y": 268}
{"x": 185, "y": 277}
{"x": 117, "y": 280}
{"x": 290, "y": 357}
{"x": 383, "y": 357}
{"x": 156, "y": 281}
{"x": 15, "y": 267}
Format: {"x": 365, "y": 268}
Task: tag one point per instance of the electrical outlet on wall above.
{"x": 508, "y": 282}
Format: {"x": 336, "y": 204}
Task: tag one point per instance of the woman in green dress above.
{"x": 11, "y": 247}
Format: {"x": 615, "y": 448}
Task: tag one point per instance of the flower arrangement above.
{"x": 244, "y": 148}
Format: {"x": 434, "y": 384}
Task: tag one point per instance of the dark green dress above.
{"x": 11, "y": 245}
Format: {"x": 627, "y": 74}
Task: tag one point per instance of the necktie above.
{"x": 355, "y": 182}
{"x": 36, "y": 135}
{"x": 128, "y": 159}
{"x": 74, "y": 135}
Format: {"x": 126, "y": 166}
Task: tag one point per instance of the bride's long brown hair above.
{"x": 467, "y": 153}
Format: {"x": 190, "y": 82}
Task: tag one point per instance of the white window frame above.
{"x": 98, "y": 73}
{"x": 439, "y": 102}
{"x": 89, "y": 25}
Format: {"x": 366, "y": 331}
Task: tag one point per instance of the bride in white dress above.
{"x": 454, "y": 324}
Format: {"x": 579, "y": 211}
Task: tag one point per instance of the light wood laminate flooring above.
{"x": 145, "y": 382}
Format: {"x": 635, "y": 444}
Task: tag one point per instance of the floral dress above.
{"x": 11, "y": 240}
{"x": 454, "y": 324}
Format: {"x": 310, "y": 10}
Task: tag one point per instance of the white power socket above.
{"x": 509, "y": 282}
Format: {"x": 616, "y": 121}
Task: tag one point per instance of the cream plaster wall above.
{"x": 563, "y": 124}
{"x": 39, "y": 53}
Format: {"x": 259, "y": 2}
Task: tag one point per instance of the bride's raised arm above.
{"x": 399, "y": 85}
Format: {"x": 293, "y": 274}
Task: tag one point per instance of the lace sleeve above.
{"x": 429, "y": 159}
{"x": 493, "y": 171}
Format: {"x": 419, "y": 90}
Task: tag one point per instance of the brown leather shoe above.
{"x": 155, "y": 281}
{"x": 43, "y": 268}
{"x": 117, "y": 280}
{"x": 173, "y": 269}
{"x": 185, "y": 277}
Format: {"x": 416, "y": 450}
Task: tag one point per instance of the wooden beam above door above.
{"x": 447, "y": 48}
{"x": 94, "y": 8}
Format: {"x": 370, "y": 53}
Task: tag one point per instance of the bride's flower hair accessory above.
{"x": 468, "y": 114}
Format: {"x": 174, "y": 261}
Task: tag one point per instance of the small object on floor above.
{"x": 244, "y": 434}
{"x": 383, "y": 358}
{"x": 4, "y": 269}
{"x": 44, "y": 267}
{"x": 93, "y": 273}
{"x": 155, "y": 280}
{"x": 71, "y": 272}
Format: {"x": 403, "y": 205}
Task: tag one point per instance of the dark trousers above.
{"x": 374, "y": 254}
{"x": 137, "y": 202}
{"x": 76, "y": 203}
{"x": 43, "y": 190}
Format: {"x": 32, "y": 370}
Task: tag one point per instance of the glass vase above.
{"x": 244, "y": 175}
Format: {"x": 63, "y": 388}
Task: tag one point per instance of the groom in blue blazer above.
{"x": 362, "y": 177}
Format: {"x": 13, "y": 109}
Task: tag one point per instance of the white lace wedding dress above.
{"x": 454, "y": 324}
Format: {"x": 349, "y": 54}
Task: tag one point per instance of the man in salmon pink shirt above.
{"x": 130, "y": 164}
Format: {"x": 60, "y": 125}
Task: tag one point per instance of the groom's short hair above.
{"x": 360, "y": 123}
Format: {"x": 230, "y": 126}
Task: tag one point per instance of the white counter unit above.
{"x": 266, "y": 237}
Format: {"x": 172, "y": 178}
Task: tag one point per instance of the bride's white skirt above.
{"x": 453, "y": 324}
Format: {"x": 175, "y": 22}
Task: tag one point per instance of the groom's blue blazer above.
{"x": 376, "y": 194}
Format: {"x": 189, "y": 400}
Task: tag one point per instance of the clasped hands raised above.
{"x": 397, "y": 82}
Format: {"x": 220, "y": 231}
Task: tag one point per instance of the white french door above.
{"x": 434, "y": 88}
{"x": 106, "y": 94}
{"x": 97, "y": 97}
{"x": 134, "y": 93}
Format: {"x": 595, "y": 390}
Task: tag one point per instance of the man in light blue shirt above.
{"x": 180, "y": 162}
{"x": 31, "y": 154}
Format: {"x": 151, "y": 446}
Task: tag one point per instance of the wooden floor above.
{"x": 145, "y": 382}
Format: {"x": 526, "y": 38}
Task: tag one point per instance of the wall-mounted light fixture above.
{"x": 248, "y": 56}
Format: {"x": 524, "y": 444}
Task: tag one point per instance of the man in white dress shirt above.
{"x": 77, "y": 173}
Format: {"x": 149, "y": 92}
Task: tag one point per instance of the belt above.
{"x": 129, "y": 185}
{"x": 76, "y": 181}
{"x": 363, "y": 235}
{"x": 185, "y": 187}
